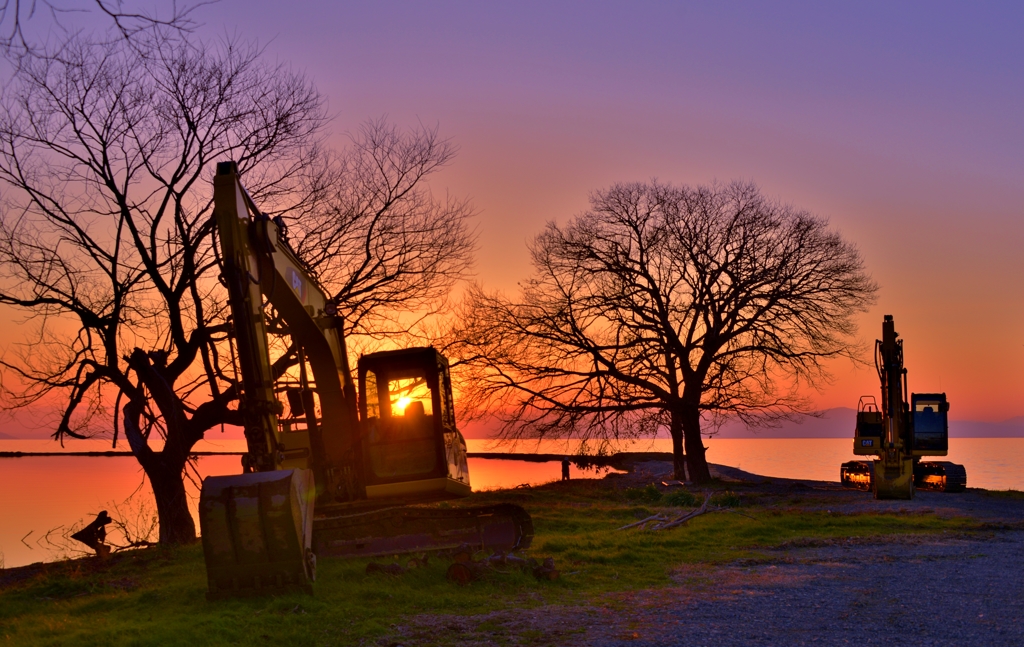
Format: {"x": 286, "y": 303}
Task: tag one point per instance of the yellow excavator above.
{"x": 900, "y": 433}
{"x": 337, "y": 474}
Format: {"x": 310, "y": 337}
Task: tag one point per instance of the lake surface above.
{"x": 41, "y": 498}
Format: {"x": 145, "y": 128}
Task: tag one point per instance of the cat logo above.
{"x": 867, "y": 443}
{"x": 296, "y": 283}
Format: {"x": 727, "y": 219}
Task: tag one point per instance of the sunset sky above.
{"x": 900, "y": 122}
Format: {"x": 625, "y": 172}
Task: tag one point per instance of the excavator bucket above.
{"x": 893, "y": 480}
{"x": 257, "y": 531}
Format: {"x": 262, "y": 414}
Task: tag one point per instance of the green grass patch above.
{"x": 158, "y": 596}
{"x": 648, "y": 494}
{"x": 682, "y": 499}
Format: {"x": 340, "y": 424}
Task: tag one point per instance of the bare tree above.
{"x": 384, "y": 247}
{"x": 106, "y": 236}
{"x": 160, "y": 19}
{"x": 661, "y": 304}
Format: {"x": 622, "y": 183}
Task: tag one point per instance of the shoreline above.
{"x": 610, "y": 460}
{"x": 105, "y": 454}
{"x": 799, "y": 558}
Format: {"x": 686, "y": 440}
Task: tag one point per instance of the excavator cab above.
{"x": 928, "y": 417}
{"x": 930, "y": 424}
{"x": 410, "y": 444}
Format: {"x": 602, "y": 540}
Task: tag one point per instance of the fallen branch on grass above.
{"x": 662, "y": 522}
{"x": 653, "y": 517}
{"x": 686, "y": 517}
{"x": 739, "y": 513}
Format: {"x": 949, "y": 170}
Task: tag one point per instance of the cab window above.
{"x": 401, "y": 439}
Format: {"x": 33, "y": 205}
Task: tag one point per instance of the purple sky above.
{"x": 901, "y": 122}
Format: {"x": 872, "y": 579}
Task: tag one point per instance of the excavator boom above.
{"x": 258, "y": 263}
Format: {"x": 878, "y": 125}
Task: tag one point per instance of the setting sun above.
{"x": 402, "y": 403}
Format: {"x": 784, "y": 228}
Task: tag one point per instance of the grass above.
{"x": 157, "y": 596}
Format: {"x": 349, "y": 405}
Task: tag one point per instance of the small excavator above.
{"x": 339, "y": 474}
{"x": 900, "y": 433}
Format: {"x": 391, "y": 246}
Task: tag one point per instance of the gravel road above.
{"x": 910, "y": 590}
{"x": 935, "y": 592}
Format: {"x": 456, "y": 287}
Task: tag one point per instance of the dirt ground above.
{"x": 908, "y": 590}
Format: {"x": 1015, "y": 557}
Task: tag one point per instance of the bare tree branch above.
{"x": 385, "y": 248}
{"x": 153, "y": 19}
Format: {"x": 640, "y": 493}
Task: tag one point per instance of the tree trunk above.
{"x": 165, "y": 470}
{"x": 675, "y": 429}
{"x": 176, "y": 523}
{"x": 696, "y": 461}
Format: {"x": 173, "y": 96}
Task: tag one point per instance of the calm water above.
{"x": 40, "y": 495}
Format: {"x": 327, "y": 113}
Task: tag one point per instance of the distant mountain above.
{"x": 1012, "y": 428}
{"x": 839, "y": 423}
{"x": 30, "y": 423}
{"x": 16, "y": 432}
{"x": 479, "y": 429}
{"x": 832, "y": 423}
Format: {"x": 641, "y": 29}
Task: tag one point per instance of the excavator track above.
{"x": 857, "y": 475}
{"x": 940, "y": 476}
{"x": 410, "y": 529}
{"x": 935, "y": 476}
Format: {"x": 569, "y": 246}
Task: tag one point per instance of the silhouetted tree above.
{"x": 106, "y": 150}
{"x": 661, "y": 304}
{"x": 107, "y": 239}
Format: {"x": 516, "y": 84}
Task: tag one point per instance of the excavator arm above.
{"x": 258, "y": 263}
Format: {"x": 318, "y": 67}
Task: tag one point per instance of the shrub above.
{"x": 682, "y": 499}
{"x": 649, "y": 494}
{"x": 726, "y": 499}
